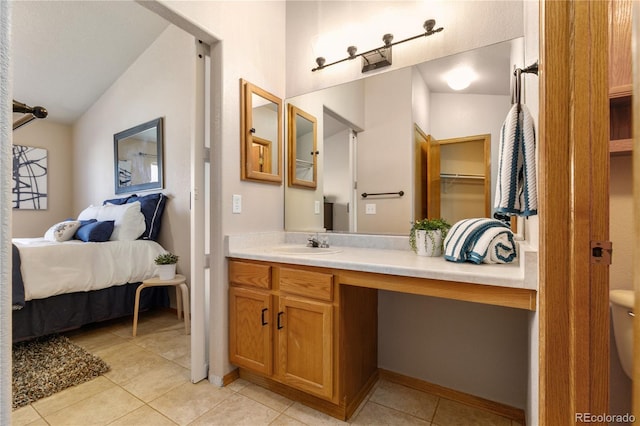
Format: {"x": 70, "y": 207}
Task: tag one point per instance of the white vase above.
{"x": 429, "y": 243}
{"x": 167, "y": 272}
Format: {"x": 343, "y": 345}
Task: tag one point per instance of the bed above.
{"x": 86, "y": 270}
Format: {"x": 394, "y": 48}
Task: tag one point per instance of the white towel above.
{"x": 516, "y": 190}
{"x": 480, "y": 240}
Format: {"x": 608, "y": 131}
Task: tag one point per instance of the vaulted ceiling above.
{"x": 65, "y": 54}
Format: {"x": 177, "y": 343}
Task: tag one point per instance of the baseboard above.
{"x": 454, "y": 395}
{"x": 231, "y": 377}
{"x": 341, "y": 412}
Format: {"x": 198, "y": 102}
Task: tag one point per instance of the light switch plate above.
{"x": 316, "y": 207}
{"x": 236, "y": 204}
{"x": 370, "y": 209}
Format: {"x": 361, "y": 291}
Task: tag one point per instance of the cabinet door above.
{"x": 250, "y": 329}
{"x": 305, "y": 345}
{"x": 620, "y": 47}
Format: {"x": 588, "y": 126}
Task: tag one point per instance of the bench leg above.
{"x": 136, "y": 307}
{"x": 178, "y": 301}
{"x": 185, "y": 301}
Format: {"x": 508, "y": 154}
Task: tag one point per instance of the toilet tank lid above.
{"x": 622, "y": 298}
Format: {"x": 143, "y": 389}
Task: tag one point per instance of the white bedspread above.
{"x": 51, "y": 268}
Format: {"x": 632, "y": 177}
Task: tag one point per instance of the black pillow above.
{"x": 152, "y": 207}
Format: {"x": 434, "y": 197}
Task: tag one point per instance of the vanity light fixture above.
{"x": 380, "y": 56}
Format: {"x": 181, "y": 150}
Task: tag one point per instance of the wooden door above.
{"x": 305, "y": 345}
{"x": 427, "y": 176}
{"x": 433, "y": 178}
{"x": 250, "y": 329}
{"x": 261, "y": 155}
{"x": 573, "y": 204}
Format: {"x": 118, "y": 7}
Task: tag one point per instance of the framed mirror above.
{"x": 137, "y": 157}
{"x": 260, "y": 134}
{"x": 303, "y": 148}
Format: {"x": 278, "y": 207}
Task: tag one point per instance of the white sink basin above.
{"x": 304, "y": 250}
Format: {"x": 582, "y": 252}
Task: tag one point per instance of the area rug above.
{"x": 48, "y": 365}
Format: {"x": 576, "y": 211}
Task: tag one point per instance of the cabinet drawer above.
{"x": 316, "y": 285}
{"x": 251, "y": 274}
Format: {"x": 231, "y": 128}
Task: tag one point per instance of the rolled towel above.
{"x": 480, "y": 240}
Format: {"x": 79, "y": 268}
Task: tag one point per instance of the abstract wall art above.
{"x": 29, "y": 178}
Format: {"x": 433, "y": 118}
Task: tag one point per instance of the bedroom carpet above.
{"x": 48, "y": 365}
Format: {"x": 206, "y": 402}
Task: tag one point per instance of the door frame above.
{"x": 573, "y": 147}
{"x": 636, "y": 208}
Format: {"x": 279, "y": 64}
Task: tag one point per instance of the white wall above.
{"x": 56, "y": 139}
{"x": 248, "y": 41}
{"x": 321, "y": 28}
{"x": 474, "y": 348}
{"x": 160, "y": 83}
{"x": 385, "y": 152}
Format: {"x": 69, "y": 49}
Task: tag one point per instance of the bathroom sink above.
{"x": 306, "y": 250}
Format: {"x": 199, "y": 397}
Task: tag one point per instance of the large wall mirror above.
{"x": 138, "y": 159}
{"x": 369, "y": 131}
{"x": 303, "y": 148}
{"x": 261, "y": 134}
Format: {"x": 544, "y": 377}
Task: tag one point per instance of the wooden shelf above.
{"x": 621, "y": 146}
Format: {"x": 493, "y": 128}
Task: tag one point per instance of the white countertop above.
{"x": 383, "y": 255}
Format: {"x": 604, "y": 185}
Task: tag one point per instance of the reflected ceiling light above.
{"x": 380, "y": 56}
{"x": 460, "y": 78}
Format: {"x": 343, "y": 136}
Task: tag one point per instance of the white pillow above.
{"x": 90, "y": 212}
{"x": 63, "y": 231}
{"x": 129, "y": 221}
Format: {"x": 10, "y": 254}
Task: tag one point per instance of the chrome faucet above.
{"x": 314, "y": 241}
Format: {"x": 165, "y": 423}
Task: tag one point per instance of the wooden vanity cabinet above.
{"x": 305, "y": 331}
{"x": 251, "y": 317}
{"x": 289, "y": 331}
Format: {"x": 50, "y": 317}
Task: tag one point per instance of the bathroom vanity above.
{"x": 304, "y": 323}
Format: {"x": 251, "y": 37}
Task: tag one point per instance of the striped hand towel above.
{"x": 516, "y": 190}
{"x": 480, "y": 240}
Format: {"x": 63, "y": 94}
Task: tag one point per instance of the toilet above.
{"x": 622, "y": 313}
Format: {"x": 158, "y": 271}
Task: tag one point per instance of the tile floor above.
{"x": 149, "y": 385}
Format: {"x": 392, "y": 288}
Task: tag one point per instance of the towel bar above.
{"x": 399, "y": 193}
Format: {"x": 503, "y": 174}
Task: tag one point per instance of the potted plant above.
{"x": 427, "y": 236}
{"x": 166, "y": 263}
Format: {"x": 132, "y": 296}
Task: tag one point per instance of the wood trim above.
{"x": 598, "y": 194}
{"x": 230, "y": 377}
{"x": 246, "y": 137}
{"x": 621, "y": 91}
{"x": 636, "y": 217}
{"x": 479, "y": 293}
{"x": 573, "y": 58}
{"x": 498, "y": 408}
